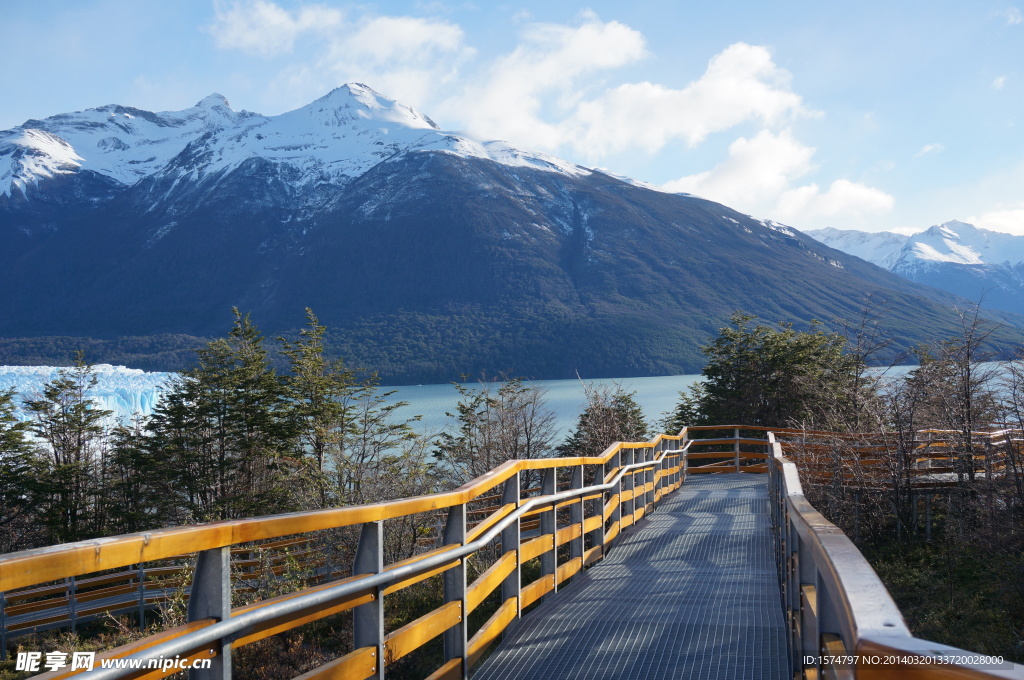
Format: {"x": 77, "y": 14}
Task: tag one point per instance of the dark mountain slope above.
{"x": 427, "y": 265}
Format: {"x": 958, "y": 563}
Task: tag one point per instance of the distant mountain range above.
{"x": 977, "y": 264}
{"x": 430, "y": 254}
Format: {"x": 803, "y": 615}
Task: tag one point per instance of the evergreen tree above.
{"x": 72, "y": 427}
{"x": 323, "y": 397}
{"x": 136, "y": 486}
{"x": 20, "y": 491}
{"x": 226, "y": 427}
{"x": 775, "y": 376}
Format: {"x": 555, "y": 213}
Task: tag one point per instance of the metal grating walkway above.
{"x": 691, "y": 591}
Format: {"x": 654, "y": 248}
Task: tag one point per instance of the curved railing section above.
{"x": 559, "y": 515}
{"x": 842, "y": 621}
{"x": 565, "y": 524}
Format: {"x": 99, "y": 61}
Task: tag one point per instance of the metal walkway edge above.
{"x": 690, "y": 592}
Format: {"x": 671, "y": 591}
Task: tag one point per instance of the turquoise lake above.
{"x": 655, "y": 396}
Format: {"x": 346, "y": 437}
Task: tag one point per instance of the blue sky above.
{"x": 868, "y": 115}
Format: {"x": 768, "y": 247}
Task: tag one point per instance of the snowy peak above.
{"x": 356, "y": 101}
{"x": 214, "y": 100}
{"x": 332, "y": 140}
{"x": 961, "y": 243}
{"x": 30, "y": 154}
{"x": 952, "y": 242}
{"x": 881, "y": 248}
{"x": 121, "y": 143}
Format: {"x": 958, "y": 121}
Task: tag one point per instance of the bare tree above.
{"x": 496, "y": 422}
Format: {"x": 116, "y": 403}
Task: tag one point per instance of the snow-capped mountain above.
{"x": 330, "y": 141}
{"x": 880, "y": 247}
{"x": 977, "y": 264}
{"x": 430, "y": 254}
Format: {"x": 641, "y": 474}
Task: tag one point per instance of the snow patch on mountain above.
{"x": 977, "y": 264}
{"x": 334, "y": 139}
{"x": 881, "y": 248}
{"x": 952, "y": 242}
{"x": 29, "y": 154}
{"x": 127, "y": 392}
{"x": 962, "y": 243}
{"x": 779, "y": 227}
{"x": 122, "y": 143}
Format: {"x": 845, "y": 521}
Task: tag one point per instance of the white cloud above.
{"x": 527, "y": 95}
{"x": 844, "y": 199}
{"x": 384, "y": 40}
{"x": 409, "y": 58}
{"x": 264, "y": 28}
{"x": 551, "y": 91}
{"x": 741, "y": 84}
{"x": 1011, "y": 15}
{"x": 758, "y": 177}
{"x": 1009, "y": 220}
{"x": 757, "y": 170}
{"x": 929, "y": 148}
{"x": 547, "y": 92}
{"x": 999, "y": 83}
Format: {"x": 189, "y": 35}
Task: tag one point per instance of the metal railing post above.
{"x": 510, "y": 538}
{"x": 142, "y": 597}
{"x": 793, "y": 597}
{"x": 368, "y": 619}
{"x": 628, "y": 484}
{"x": 455, "y": 588}
{"x": 659, "y": 480}
{"x": 810, "y": 623}
{"x": 649, "y": 478}
{"x": 210, "y": 598}
{"x": 72, "y": 603}
{"x": 549, "y": 525}
{"x": 616, "y": 517}
{"x": 597, "y": 509}
{"x": 736, "y": 448}
{"x": 828, "y": 615}
{"x": 576, "y": 518}
{"x": 3, "y": 628}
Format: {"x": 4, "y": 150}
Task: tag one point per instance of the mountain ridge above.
{"x": 430, "y": 254}
{"x": 974, "y": 263}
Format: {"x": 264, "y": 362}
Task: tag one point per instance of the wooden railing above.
{"x": 842, "y": 621}
{"x": 563, "y": 530}
{"x": 142, "y": 588}
{"x": 734, "y": 449}
{"x": 929, "y": 457}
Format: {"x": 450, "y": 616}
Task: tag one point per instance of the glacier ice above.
{"x": 126, "y": 392}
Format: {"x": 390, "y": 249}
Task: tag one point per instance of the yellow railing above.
{"x": 564, "y": 530}
{"x": 836, "y": 605}
{"x": 842, "y": 621}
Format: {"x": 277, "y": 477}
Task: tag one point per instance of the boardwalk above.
{"x": 690, "y": 592}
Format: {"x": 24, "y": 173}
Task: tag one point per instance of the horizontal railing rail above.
{"x": 568, "y": 530}
{"x": 836, "y": 606}
{"x": 927, "y": 460}
{"x": 244, "y": 621}
{"x": 842, "y": 621}
{"x": 143, "y": 588}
